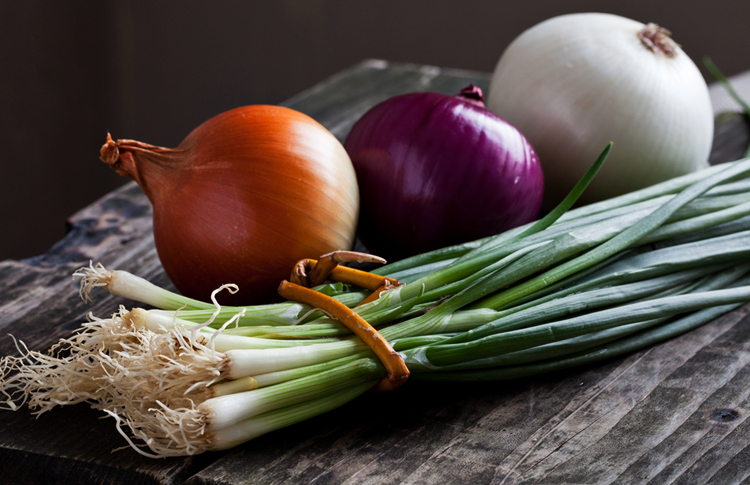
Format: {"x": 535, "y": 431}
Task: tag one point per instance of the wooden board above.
{"x": 673, "y": 413}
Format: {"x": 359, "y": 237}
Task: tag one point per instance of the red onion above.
{"x": 436, "y": 170}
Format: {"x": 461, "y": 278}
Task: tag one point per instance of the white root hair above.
{"x": 92, "y": 277}
{"x": 232, "y": 288}
{"x": 149, "y": 382}
{"x": 310, "y": 312}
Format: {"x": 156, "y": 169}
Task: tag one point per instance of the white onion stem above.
{"x": 221, "y": 412}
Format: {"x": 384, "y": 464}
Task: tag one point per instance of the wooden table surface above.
{"x": 673, "y": 413}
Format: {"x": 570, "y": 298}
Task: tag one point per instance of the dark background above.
{"x": 153, "y": 70}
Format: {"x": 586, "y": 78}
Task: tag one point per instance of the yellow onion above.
{"x": 246, "y": 195}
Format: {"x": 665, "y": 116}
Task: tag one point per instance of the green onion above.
{"x": 579, "y": 286}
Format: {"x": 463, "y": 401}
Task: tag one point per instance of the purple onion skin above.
{"x": 436, "y": 170}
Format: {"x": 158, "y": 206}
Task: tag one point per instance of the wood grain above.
{"x": 674, "y": 413}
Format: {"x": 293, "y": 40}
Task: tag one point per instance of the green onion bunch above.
{"x": 576, "y": 287}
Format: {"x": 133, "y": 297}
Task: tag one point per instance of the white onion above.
{"x": 574, "y": 83}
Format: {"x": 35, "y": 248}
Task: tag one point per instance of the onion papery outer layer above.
{"x": 437, "y": 170}
{"x": 574, "y": 83}
{"x": 245, "y": 196}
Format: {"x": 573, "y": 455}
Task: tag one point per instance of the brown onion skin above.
{"x": 245, "y": 196}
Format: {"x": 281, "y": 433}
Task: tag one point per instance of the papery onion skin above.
{"x": 245, "y": 196}
{"x": 436, "y": 170}
{"x": 576, "y": 82}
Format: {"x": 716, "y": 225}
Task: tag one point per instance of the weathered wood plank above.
{"x": 645, "y": 417}
{"x": 39, "y": 302}
{"x": 650, "y": 400}
{"x": 341, "y": 100}
{"x": 731, "y": 137}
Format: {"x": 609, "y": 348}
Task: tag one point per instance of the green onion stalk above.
{"x": 579, "y": 286}
{"x": 721, "y": 78}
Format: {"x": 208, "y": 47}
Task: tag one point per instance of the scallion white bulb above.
{"x": 576, "y": 82}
